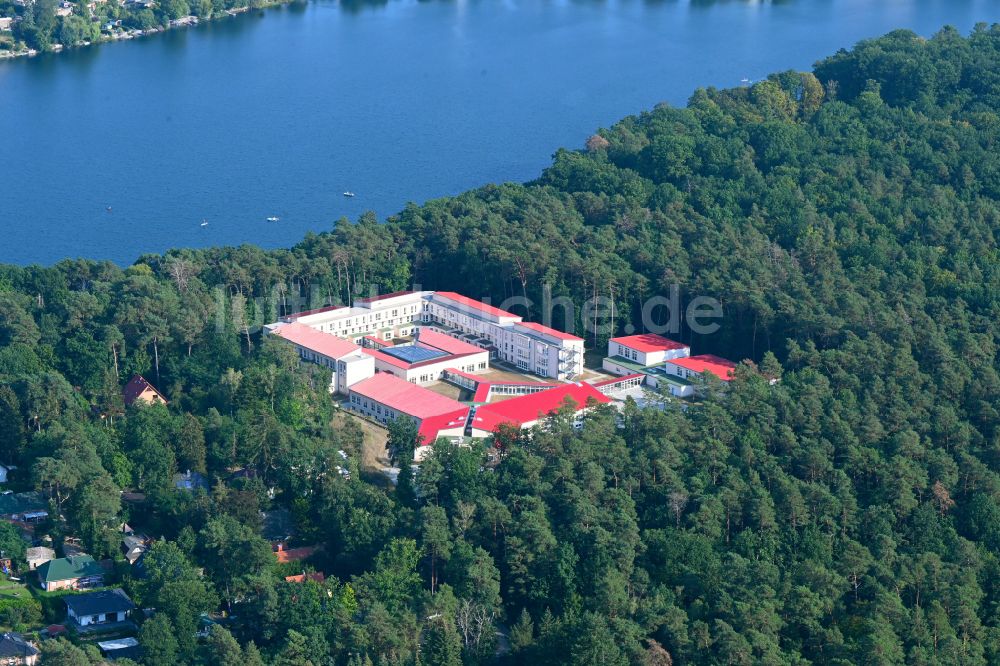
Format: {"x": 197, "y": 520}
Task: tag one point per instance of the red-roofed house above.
{"x": 140, "y": 389}
{"x": 283, "y": 554}
{"x": 693, "y": 367}
{"x": 645, "y": 349}
{"x": 344, "y": 358}
{"x": 315, "y": 576}
{"x": 527, "y": 410}
{"x": 386, "y": 398}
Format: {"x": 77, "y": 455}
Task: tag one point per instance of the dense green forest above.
{"x": 846, "y": 219}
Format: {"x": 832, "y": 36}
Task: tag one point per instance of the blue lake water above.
{"x": 277, "y": 114}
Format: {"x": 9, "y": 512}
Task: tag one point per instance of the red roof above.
{"x": 718, "y": 366}
{"x": 405, "y": 397}
{"x": 529, "y": 408}
{"x": 136, "y": 387}
{"x": 294, "y": 554}
{"x": 474, "y": 304}
{"x": 394, "y": 294}
{"x": 316, "y": 576}
{"x": 327, "y": 344}
{"x": 648, "y": 342}
{"x": 431, "y": 338}
{"x": 545, "y": 330}
{"x": 429, "y": 428}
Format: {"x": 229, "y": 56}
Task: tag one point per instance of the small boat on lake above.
{"x": 204, "y": 223}
{"x": 273, "y": 218}
{"x": 348, "y": 194}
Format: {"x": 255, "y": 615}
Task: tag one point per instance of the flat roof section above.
{"x": 412, "y": 354}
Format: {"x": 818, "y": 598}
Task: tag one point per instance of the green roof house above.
{"x": 78, "y": 572}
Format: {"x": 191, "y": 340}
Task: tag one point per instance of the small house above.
{"x": 294, "y": 554}
{"x": 134, "y": 546}
{"x": 38, "y": 555}
{"x": 96, "y": 608}
{"x": 5, "y": 23}
{"x": 14, "y": 649}
{"x": 138, "y": 389}
{"x": 79, "y": 572}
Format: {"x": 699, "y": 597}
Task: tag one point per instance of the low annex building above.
{"x": 345, "y": 359}
{"x": 694, "y": 367}
{"x": 386, "y": 398}
{"x": 664, "y": 363}
{"x": 527, "y": 410}
{"x": 645, "y": 349}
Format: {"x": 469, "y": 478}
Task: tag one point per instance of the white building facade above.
{"x": 530, "y": 347}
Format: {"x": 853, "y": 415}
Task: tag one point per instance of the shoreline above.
{"x": 125, "y": 35}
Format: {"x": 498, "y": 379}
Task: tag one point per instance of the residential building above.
{"x": 645, "y": 349}
{"x": 5, "y": 23}
{"x": 692, "y": 368}
{"x": 37, "y": 556}
{"x": 343, "y": 357}
{"x": 79, "y": 572}
{"x": 140, "y": 389}
{"x": 134, "y": 546}
{"x": 14, "y": 649}
{"x": 387, "y": 317}
{"x": 96, "y": 608}
{"x": 386, "y": 398}
{"x": 283, "y": 554}
{"x": 526, "y": 411}
{"x": 530, "y": 346}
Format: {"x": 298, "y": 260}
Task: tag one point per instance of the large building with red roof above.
{"x": 528, "y": 410}
{"x": 348, "y": 363}
{"x": 385, "y": 398}
{"x": 531, "y": 347}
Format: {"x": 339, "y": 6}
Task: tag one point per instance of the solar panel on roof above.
{"x": 412, "y": 354}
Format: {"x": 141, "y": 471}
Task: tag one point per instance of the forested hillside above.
{"x": 846, "y": 219}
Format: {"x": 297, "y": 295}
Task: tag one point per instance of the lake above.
{"x": 278, "y": 113}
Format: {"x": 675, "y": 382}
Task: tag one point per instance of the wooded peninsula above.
{"x": 846, "y": 219}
